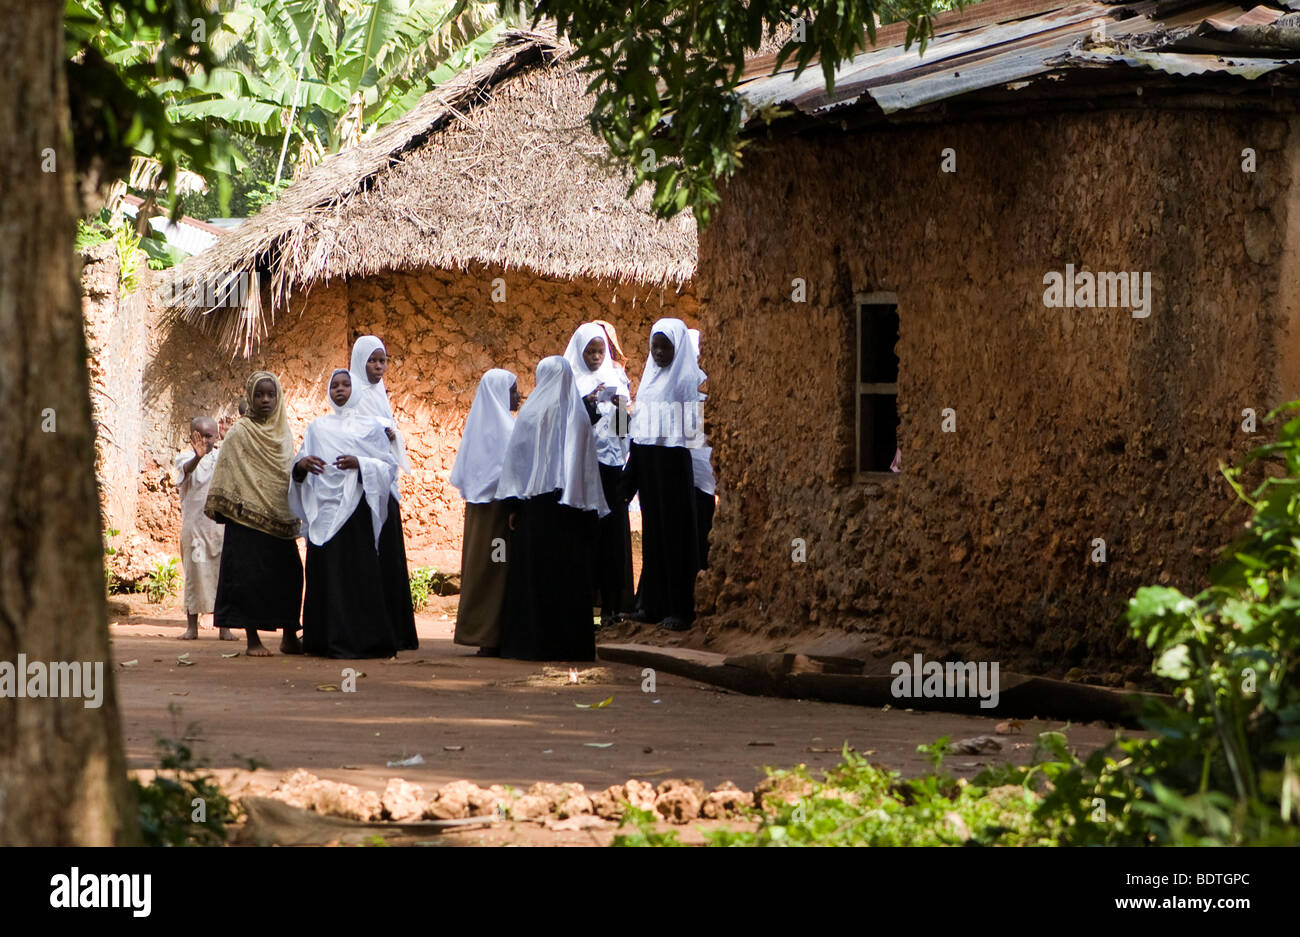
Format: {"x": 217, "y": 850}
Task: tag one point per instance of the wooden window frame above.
{"x": 879, "y": 298}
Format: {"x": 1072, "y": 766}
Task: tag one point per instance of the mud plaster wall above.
{"x": 1071, "y": 424}
{"x": 442, "y": 331}
{"x": 116, "y": 346}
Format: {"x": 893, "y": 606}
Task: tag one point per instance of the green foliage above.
{"x": 125, "y": 58}
{"x": 317, "y": 76}
{"x": 110, "y": 580}
{"x": 664, "y": 75}
{"x": 167, "y": 808}
{"x": 859, "y": 804}
{"x": 426, "y": 581}
{"x": 162, "y": 579}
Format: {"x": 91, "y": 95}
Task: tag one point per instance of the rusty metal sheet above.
{"x": 1005, "y": 52}
{"x": 1186, "y": 63}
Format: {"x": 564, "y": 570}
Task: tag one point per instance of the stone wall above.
{"x": 116, "y": 346}
{"x": 442, "y": 330}
{"x": 1071, "y": 424}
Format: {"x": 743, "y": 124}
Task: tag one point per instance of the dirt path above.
{"x": 496, "y": 721}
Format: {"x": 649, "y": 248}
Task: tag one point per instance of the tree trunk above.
{"x": 62, "y": 775}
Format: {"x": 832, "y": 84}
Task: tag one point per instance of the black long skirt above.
{"x": 547, "y": 612}
{"x": 396, "y": 578}
{"x": 345, "y": 612}
{"x": 665, "y": 481}
{"x": 612, "y": 557}
{"x": 259, "y": 582}
{"x": 704, "y": 505}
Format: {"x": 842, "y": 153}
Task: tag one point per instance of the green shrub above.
{"x": 184, "y": 807}
{"x": 426, "y": 581}
{"x": 163, "y": 579}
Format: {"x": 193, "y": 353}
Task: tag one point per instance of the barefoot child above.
{"x": 369, "y": 363}
{"x": 200, "y": 536}
{"x": 259, "y": 586}
{"x": 341, "y": 478}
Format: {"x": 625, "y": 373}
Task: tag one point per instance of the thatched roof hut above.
{"x": 498, "y": 166}
{"x": 477, "y": 231}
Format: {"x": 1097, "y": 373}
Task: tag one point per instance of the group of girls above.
{"x": 340, "y": 491}
{"x": 547, "y": 494}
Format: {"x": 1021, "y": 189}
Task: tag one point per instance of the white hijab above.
{"x": 372, "y": 399}
{"x": 701, "y": 456}
{"x": 483, "y": 444}
{"x": 608, "y": 373}
{"x": 327, "y": 501}
{"x": 552, "y": 445}
{"x": 668, "y": 409}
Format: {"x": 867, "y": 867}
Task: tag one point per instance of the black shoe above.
{"x": 673, "y": 624}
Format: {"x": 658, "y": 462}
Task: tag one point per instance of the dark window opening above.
{"x": 877, "y": 385}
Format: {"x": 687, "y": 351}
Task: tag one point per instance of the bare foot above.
{"x": 225, "y": 635}
{"x": 290, "y": 644}
{"x": 255, "y": 647}
{"x": 191, "y": 634}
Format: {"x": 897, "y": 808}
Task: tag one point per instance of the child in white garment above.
{"x": 201, "y": 537}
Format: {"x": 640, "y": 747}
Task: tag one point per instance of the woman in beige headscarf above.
{"x": 259, "y": 585}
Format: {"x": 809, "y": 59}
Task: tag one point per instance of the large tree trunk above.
{"x": 62, "y": 777}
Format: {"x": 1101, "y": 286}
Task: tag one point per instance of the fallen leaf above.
{"x": 350, "y": 767}
{"x": 131, "y": 663}
{"x": 1011, "y": 725}
{"x": 182, "y": 693}
{"x": 762, "y": 743}
{"x": 453, "y": 748}
{"x": 330, "y": 688}
{"x": 829, "y": 751}
{"x": 186, "y": 663}
{"x": 886, "y": 708}
{"x": 647, "y": 750}
{"x": 230, "y": 655}
{"x": 601, "y": 705}
{"x": 598, "y": 744}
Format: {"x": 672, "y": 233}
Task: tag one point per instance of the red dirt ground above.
{"x": 509, "y": 732}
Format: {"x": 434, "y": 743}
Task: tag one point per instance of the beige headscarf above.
{"x": 250, "y": 484}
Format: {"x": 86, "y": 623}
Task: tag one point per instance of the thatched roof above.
{"x": 498, "y": 166}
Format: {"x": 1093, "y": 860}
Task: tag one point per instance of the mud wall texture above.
{"x": 442, "y": 330}
{"x": 1071, "y": 424}
{"x": 117, "y": 348}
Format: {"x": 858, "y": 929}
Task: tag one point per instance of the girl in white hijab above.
{"x": 476, "y": 474}
{"x": 368, "y": 365}
{"x": 341, "y": 480}
{"x": 666, "y": 425}
{"x": 604, "y": 389}
{"x": 552, "y": 483}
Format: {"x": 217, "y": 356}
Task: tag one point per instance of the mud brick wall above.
{"x": 116, "y": 345}
{"x": 442, "y": 331}
{"x": 1072, "y": 424}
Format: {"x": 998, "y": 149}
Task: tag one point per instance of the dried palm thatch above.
{"x": 496, "y": 167}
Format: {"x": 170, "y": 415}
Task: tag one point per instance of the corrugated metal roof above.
{"x": 1008, "y": 42}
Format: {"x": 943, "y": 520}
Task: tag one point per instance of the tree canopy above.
{"x": 664, "y": 75}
